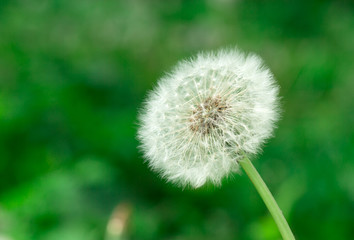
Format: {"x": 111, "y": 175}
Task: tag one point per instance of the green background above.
{"x": 73, "y": 74}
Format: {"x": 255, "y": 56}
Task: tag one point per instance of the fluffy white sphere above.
{"x": 204, "y": 116}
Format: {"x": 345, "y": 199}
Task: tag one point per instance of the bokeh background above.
{"x": 73, "y": 75}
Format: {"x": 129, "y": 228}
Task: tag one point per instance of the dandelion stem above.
{"x": 268, "y": 199}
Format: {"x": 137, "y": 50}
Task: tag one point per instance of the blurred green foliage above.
{"x": 73, "y": 75}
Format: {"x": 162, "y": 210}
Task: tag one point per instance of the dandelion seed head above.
{"x": 206, "y": 114}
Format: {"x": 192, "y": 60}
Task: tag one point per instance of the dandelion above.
{"x": 204, "y": 116}
{"x": 207, "y": 116}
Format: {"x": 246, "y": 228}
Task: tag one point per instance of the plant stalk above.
{"x": 268, "y": 199}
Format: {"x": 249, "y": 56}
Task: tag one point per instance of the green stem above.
{"x": 268, "y": 199}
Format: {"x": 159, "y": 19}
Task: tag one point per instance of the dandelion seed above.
{"x": 206, "y": 115}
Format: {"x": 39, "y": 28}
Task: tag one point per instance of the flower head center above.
{"x": 207, "y": 114}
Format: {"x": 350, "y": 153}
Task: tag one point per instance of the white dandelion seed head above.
{"x": 201, "y": 118}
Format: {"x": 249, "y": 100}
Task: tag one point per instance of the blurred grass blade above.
{"x": 117, "y": 224}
